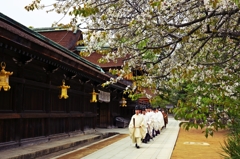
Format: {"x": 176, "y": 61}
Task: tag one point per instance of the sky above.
{"x": 37, "y": 18}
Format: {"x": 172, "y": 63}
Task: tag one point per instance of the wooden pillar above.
{"x": 18, "y": 96}
{"x": 48, "y": 106}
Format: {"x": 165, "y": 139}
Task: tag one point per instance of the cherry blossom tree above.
{"x": 190, "y": 45}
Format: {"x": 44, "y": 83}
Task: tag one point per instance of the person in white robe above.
{"x": 156, "y": 122}
{"x": 137, "y": 128}
{"x": 145, "y": 117}
{"x": 160, "y": 120}
{"x": 150, "y": 122}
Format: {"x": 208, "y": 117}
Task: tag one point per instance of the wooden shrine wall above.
{"x": 31, "y": 112}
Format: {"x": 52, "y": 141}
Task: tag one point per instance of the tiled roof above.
{"x": 64, "y": 37}
{"x": 69, "y": 38}
{"x": 94, "y": 59}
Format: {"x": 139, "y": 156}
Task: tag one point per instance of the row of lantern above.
{"x": 4, "y": 83}
{"x": 64, "y": 95}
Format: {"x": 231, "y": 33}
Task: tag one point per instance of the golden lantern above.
{"x": 123, "y": 102}
{"x": 4, "y": 78}
{"x": 94, "y": 97}
{"x": 63, "y": 90}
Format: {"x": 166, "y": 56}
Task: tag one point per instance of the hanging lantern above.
{"x": 123, "y": 102}
{"x": 94, "y": 97}
{"x": 4, "y": 78}
{"x": 63, "y": 90}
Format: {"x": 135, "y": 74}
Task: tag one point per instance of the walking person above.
{"x": 155, "y": 122}
{"x": 160, "y": 120}
{"x": 145, "y": 117}
{"x": 149, "y": 115}
{"x": 137, "y": 128}
{"x": 165, "y": 117}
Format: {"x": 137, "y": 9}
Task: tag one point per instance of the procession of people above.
{"x": 146, "y": 123}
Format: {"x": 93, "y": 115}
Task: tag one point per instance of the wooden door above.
{"x": 104, "y": 115}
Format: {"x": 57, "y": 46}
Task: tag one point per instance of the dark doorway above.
{"x": 104, "y": 115}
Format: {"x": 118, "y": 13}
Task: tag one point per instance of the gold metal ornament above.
{"x": 63, "y": 90}
{"x": 94, "y": 97}
{"x": 4, "y": 78}
{"x": 123, "y": 102}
